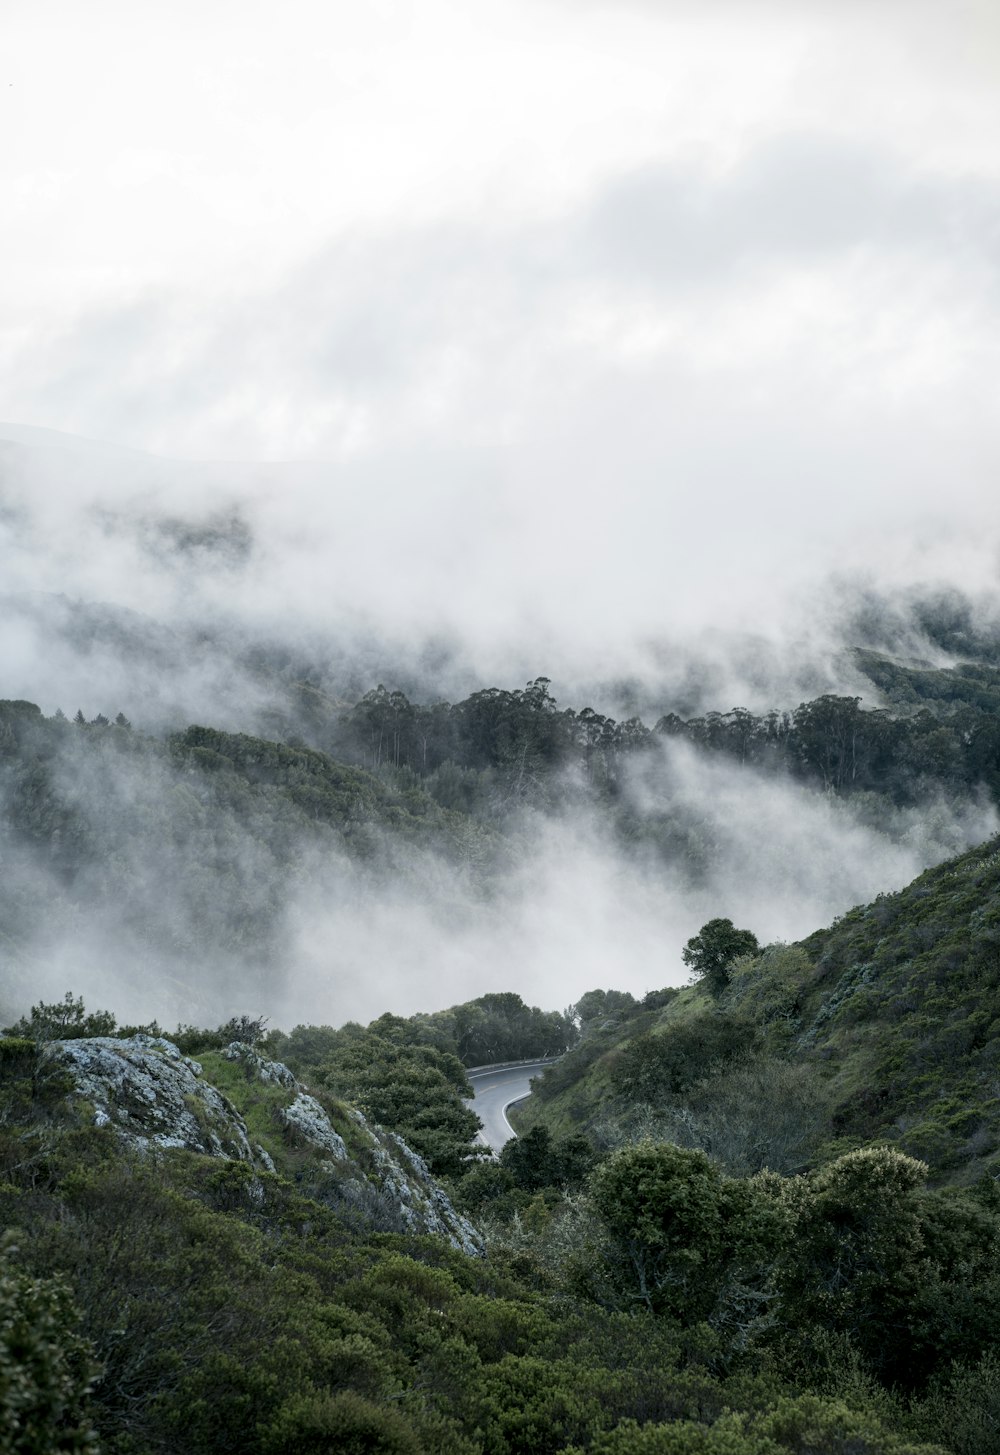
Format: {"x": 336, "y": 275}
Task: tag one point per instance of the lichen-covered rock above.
{"x": 153, "y": 1096}
{"x": 271, "y": 1073}
{"x": 309, "y": 1119}
{"x": 423, "y": 1205}
{"x": 433, "y": 1206}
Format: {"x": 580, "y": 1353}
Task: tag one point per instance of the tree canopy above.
{"x": 711, "y": 952}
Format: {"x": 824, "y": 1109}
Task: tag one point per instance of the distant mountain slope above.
{"x": 965, "y": 684}
{"x": 185, "y": 863}
{"x": 179, "y": 856}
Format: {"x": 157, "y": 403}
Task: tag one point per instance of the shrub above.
{"x": 318, "y": 1423}
{"x": 46, "y": 1369}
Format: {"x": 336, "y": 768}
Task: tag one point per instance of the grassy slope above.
{"x": 895, "y": 1008}
{"x": 574, "y": 1092}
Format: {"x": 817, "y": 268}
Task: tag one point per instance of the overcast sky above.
{"x": 615, "y": 314}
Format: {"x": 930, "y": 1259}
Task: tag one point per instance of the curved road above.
{"x": 497, "y": 1088}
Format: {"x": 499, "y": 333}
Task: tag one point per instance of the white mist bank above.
{"x": 143, "y": 585}
{"x": 579, "y": 912}
{"x": 574, "y": 909}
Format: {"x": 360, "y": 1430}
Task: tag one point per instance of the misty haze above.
{"x": 549, "y": 845}
{"x": 500, "y": 573}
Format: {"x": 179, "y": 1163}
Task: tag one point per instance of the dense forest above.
{"x": 178, "y": 847}
{"x": 941, "y": 727}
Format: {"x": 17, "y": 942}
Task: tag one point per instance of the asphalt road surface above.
{"x": 497, "y": 1088}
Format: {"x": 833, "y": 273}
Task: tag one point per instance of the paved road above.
{"x": 497, "y": 1087}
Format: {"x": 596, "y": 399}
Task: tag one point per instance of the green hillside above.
{"x": 749, "y": 1257}
{"x": 753, "y": 1216}
{"x": 884, "y": 1027}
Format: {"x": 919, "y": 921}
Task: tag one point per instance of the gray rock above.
{"x": 309, "y": 1119}
{"x": 423, "y": 1205}
{"x": 271, "y": 1073}
{"x": 154, "y": 1096}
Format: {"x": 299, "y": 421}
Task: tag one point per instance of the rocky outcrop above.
{"x": 425, "y": 1206}
{"x": 271, "y": 1073}
{"x": 307, "y": 1117}
{"x": 155, "y": 1097}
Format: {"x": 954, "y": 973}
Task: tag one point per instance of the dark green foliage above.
{"x": 911, "y": 983}
{"x": 528, "y": 1159}
{"x": 670, "y": 1061}
{"x": 230, "y": 1311}
{"x": 409, "y": 1074}
{"x": 46, "y": 1369}
{"x": 487, "y": 1188}
{"x": 961, "y": 1408}
{"x": 63, "y": 1020}
{"x": 657, "y": 999}
{"x": 857, "y": 1255}
{"x": 499, "y": 1027}
{"x": 678, "y": 1228}
{"x": 907, "y": 1277}
{"x": 494, "y": 1028}
{"x": 537, "y": 1160}
{"x": 319, "y": 1422}
{"x": 601, "y": 1006}
{"x": 415, "y": 1090}
{"x": 883, "y": 1028}
{"x": 246, "y": 1028}
{"x": 714, "y": 949}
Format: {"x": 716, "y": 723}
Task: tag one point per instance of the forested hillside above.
{"x": 500, "y": 728}
{"x": 883, "y": 1028}
{"x": 940, "y": 728}
{"x": 183, "y": 851}
{"x": 754, "y": 1215}
{"x": 183, "y": 848}
{"x": 705, "y": 1238}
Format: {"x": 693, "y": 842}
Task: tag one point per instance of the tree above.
{"x": 63, "y": 1020}
{"x": 677, "y": 1228}
{"x": 529, "y": 1159}
{"x": 248, "y": 1029}
{"x": 712, "y": 951}
{"x": 601, "y": 1005}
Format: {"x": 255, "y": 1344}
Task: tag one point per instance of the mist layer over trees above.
{"x": 504, "y": 835}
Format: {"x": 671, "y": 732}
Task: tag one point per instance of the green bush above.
{"x": 46, "y": 1368}
{"x": 319, "y": 1423}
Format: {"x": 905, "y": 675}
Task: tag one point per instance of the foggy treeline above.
{"x": 414, "y": 840}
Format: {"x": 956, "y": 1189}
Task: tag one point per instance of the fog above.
{"x": 649, "y": 348}
{"x": 141, "y": 584}
{"x": 566, "y": 906}
{"x": 576, "y": 912}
